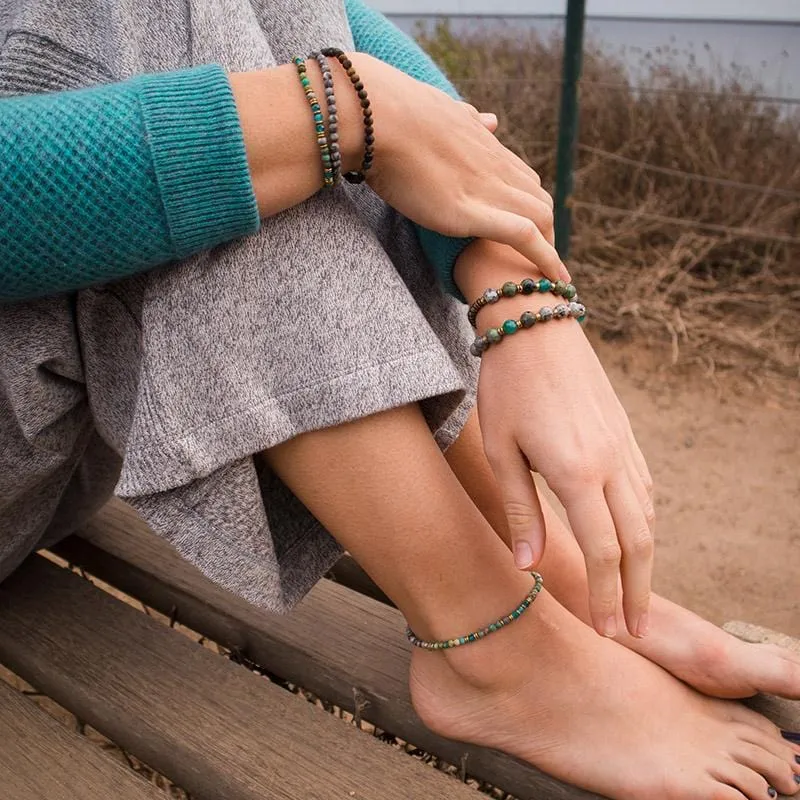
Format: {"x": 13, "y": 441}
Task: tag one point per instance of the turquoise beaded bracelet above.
{"x": 527, "y": 320}
{"x": 446, "y": 644}
{"x": 328, "y": 176}
{"x": 527, "y": 286}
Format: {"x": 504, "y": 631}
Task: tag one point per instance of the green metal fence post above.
{"x": 568, "y": 122}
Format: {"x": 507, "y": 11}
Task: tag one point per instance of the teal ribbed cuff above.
{"x": 199, "y": 157}
{"x": 443, "y": 252}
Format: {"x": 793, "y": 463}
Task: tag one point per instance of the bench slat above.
{"x": 338, "y": 644}
{"x": 41, "y": 758}
{"x": 213, "y": 727}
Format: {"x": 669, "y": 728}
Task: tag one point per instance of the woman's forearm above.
{"x": 103, "y": 183}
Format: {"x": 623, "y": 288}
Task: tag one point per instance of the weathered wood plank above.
{"x": 784, "y": 713}
{"x": 40, "y": 758}
{"x": 344, "y": 647}
{"x": 348, "y": 572}
{"x": 213, "y": 727}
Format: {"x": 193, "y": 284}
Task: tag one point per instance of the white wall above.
{"x": 772, "y": 10}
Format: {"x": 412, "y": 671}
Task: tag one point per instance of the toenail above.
{"x": 772, "y": 792}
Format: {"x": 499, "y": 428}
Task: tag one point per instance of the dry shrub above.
{"x": 727, "y": 295}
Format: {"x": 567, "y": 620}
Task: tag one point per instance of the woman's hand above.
{"x": 545, "y": 403}
{"x": 438, "y": 163}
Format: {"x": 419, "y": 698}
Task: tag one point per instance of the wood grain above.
{"x": 340, "y": 645}
{"x": 40, "y": 758}
{"x": 211, "y": 726}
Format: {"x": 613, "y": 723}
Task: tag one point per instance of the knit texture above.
{"x": 101, "y": 183}
{"x": 376, "y": 35}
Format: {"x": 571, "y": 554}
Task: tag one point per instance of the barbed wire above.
{"x": 747, "y": 233}
{"x": 696, "y": 176}
{"x": 759, "y": 98}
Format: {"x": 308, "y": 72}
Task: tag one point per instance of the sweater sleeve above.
{"x": 376, "y": 35}
{"x": 102, "y": 183}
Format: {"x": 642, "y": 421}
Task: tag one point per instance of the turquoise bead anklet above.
{"x": 447, "y": 644}
{"x": 527, "y": 286}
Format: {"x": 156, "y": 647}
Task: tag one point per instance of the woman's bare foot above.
{"x": 713, "y": 661}
{"x": 550, "y": 691}
{"x": 692, "y": 649}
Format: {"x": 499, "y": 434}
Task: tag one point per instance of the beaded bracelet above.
{"x": 527, "y": 320}
{"x": 446, "y": 644}
{"x": 327, "y": 171}
{"x": 369, "y": 130}
{"x": 527, "y": 286}
{"x": 333, "y": 118}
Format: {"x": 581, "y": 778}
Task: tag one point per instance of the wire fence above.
{"x": 645, "y": 90}
{"x": 686, "y": 192}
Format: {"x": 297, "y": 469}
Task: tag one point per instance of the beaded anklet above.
{"x": 369, "y": 129}
{"x": 527, "y": 320}
{"x": 319, "y": 124}
{"x": 446, "y": 644}
{"x": 333, "y": 117}
{"x": 527, "y": 286}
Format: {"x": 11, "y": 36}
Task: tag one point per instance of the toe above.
{"x": 746, "y": 716}
{"x": 775, "y": 670}
{"x": 773, "y": 744}
{"x": 749, "y": 783}
{"x": 775, "y": 771}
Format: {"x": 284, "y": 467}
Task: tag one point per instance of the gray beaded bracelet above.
{"x": 333, "y": 118}
{"x": 526, "y": 286}
{"x": 527, "y": 320}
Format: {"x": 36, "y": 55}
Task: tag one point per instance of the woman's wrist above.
{"x": 282, "y": 150}
{"x": 483, "y": 265}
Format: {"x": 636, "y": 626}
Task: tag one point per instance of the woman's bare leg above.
{"x": 546, "y": 689}
{"x": 690, "y": 647}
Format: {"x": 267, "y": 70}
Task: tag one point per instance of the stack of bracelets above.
{"x": 572, "y": 308}
{"x": 329, "y": 140}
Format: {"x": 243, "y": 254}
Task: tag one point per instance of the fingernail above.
{"x": 523, "y": 555}
{"x": 792, "y": 737}
{"x": 772, "y": 792}
{"x": 487, "y": 118}
{"x": 797, "y": 759}
{"x": 643, "y": 627}
{"x": 797, "y": 778}
{"x": 610, "y": 628}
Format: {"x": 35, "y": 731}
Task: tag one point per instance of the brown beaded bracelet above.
{"x": 369, "y": 130}
{"x": 526, "y": 286}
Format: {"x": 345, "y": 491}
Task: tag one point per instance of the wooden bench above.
{"x": 212, "y": 726}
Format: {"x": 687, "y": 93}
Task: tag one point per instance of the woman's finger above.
{"x": 521, "y": 233}
{"x": 640, "y": 463}
{"x": 636, "y": 541}
{"x": 521, "y": 504}
{"x": 644, "y": 494}
{"x": 489, "y": 121}
{"x": 593, "y": 527}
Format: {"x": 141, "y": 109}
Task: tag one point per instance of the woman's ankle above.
{"x": 499, "y": 661}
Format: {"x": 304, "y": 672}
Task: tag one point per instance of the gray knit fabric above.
{"x": 167, "y": 384}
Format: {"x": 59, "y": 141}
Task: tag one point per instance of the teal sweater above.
{"x": 102, "y": 183}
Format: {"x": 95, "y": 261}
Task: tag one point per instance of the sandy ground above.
{"x": 725, "y": 459}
